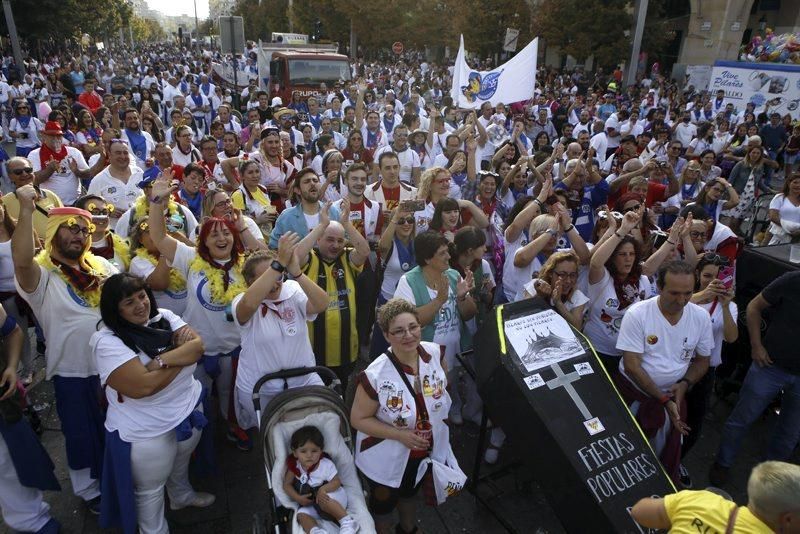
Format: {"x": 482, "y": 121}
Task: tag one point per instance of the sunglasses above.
{"x": 406, "y": 220}
{"x": 22, "y": 170}
{"x": 617, "y": 215}
{"x": 716, "y": 259}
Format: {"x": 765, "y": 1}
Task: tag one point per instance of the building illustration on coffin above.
{"x": 549, "y": 347}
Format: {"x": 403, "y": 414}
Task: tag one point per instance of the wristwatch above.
{"x": 277, "y": 266}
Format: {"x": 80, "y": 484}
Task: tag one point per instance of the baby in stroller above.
{"x": 312, "y": 481}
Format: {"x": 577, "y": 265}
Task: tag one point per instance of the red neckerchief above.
{"x": 631, "y": 282}
{"x": 293, "y": 466}
{"x": 107, "y": 250}
{"x": 78, "y": 278}
{"x": 45, "y": 154}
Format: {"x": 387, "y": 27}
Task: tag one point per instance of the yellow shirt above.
{"x": 239, "y": 202}
{"x": 50, "y": 200}
{"x": 691, "y": 512}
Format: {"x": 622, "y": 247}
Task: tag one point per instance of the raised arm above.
{"x": 162, "y": 191}
{"x": 307, "y": 243}
{"x": 360, "y": 251}
{"x": 664, "y": 252}
{"x": 601, "y": 253}
{"x": 479, "y": 218}
{"x": 26, "y": 270}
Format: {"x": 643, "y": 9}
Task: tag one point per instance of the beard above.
{"x": 62, "y": 245}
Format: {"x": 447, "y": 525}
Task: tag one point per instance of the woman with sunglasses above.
{"x": 213, "y": 273}
{"x": 710, "y": 197}
{"x": 105, "y": 243}
{"x": 24, "y": 129}
{"x": 396, "y": 248}
{"x": 714, "y": 293}
{"x": 355, "y": 152}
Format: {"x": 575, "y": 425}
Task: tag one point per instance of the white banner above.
{"x": 225, "y": 72}
{"x": 513, "y": 81}
{"x": 759, "y": 83}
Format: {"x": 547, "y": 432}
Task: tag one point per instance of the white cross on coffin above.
{"x": 565, "y": 381}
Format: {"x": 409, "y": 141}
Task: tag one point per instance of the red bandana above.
{"x": 45, "y": 154}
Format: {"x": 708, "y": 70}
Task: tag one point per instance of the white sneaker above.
{"x": 317, "y": 530}
{"x": 200, "y": 500}
{"x": 348, "y": 525}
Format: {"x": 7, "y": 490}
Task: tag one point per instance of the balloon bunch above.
{"x": 784, "y": 48}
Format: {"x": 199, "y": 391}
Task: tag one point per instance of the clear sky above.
{"x": 180, "y": 7}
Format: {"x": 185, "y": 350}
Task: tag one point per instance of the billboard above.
{"x": 760, "y": 83}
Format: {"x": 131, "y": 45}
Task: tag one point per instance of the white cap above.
{"x": 277, "y": 101}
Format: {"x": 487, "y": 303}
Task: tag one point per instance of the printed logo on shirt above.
{"x": 77, "y": 298}
{"x": 205, "y": 299}
{"x": 652, "y": 339}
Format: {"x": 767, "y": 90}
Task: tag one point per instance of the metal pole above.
{"x": 291, "y": 24}
{"x": 639, "y": 16}
{"x": 12, "y": 32}
{"x": 235, "y": 92}
{"x": 196, "y": 25}
{"x": 353, "y": 41}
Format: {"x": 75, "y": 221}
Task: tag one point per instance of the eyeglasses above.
{"x": 22, "y": 170}
{"x": 570, "y": 276}
{"x": 76, "y": 229}
{"x": 406, "y": 220}
{"x": 223, "y": 203}
{"x": 697, "y": 235}
{"x": 104, "y": 210}
{"x": 401, "y": 332}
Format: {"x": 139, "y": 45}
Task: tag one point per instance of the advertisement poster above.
{"x": 760, "y": 83}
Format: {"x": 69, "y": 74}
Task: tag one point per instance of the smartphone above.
{"x": 411, "y": 206}
{"x": 726, "y": 276}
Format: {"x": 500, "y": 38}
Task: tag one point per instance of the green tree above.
{"x": 262, "y": 18}
{"x": 582, "y": 28}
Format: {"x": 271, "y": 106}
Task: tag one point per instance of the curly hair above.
{"x": 392, "y": 309}
{"x": 426, "y": 181}
{"x": 556, "y": 259}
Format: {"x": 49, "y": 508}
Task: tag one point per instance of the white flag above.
{"x": 512, "y": 81}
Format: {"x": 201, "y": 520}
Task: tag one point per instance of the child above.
{"x": 311, "y": 480}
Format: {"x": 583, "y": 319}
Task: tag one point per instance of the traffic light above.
{"x": 317, "y": 30}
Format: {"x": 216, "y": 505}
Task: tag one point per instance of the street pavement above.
{"x": 512, "y": 494}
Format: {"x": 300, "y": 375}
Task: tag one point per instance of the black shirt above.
{"x": 783, "y": 295}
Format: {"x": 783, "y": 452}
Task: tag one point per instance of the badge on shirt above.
{"x": 652, "y": 339}
{"x": 304, "y": 478}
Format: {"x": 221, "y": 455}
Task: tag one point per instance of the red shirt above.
{"x": 392, "y": 197}
{"x": 90, "y": 100}
{"x": 655, "y": 193}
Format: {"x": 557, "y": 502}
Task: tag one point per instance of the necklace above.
{"x": 216, "y": 281}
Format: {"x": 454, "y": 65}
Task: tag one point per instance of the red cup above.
{"x": 425, "y": 431}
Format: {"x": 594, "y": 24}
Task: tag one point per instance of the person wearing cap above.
{"x": 62, "y": 286}
{"x": 284, "y": 119}
{"x": 276, "y": 103}
{"x": 24, "y": 129}
{"x": 20, "y": 172}
{"x": 118, "y": 184}
{"x": 182, "y": 224}
{"x": 608, "y": 107}
{"x": 59, "y": 167}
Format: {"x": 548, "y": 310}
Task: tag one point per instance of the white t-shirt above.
{"x": 174, "y": 301}
{"x": 511, "y": 285}
{"x": 208, "y": 318}
{"x": 409, "y": 160}
{"x": 666, "y": 350}
{"x": 63, "y": 181}
{"x": 785, "y": 208}
{"x": 148, "y": 417}
{"x": 114, "y": 191}
{"x": 6, "y": 268}
{"x": 275, "y": 338}
{"x": 684, "y": 133}
{"x": 422, "y": 218}
{"x": 447, "y": 331}
{"x": 67, "y": 321}
{"x": 717, "y": 327}
{"x": 604, "y": 316}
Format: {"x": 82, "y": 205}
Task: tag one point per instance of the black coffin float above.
{"x": 542, "y": 383}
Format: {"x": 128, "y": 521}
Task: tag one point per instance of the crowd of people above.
{"x": 172, "y": 241}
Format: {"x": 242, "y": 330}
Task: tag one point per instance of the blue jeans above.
{"x": 761, "y": 386}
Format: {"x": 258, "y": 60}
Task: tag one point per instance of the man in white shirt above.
{"x": 58, "y": 167}
{"x": 685, "y": 131}
{"x": 410, "y": 168}
{"x": 666, "y": 343}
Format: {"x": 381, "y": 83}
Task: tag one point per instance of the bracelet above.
{"x": 541, "y": 205}
{"x": 161, "y": 363}
{"x": 571, "y": 228}
{"x": 291, "y": 276}
{"x": 619, "y": 236}
{"x": 671, "y": 242}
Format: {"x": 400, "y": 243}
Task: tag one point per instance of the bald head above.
{"x": 574, "y": 150}
{"x": 331, "y": 242}
{"x": 632, "y": 165}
